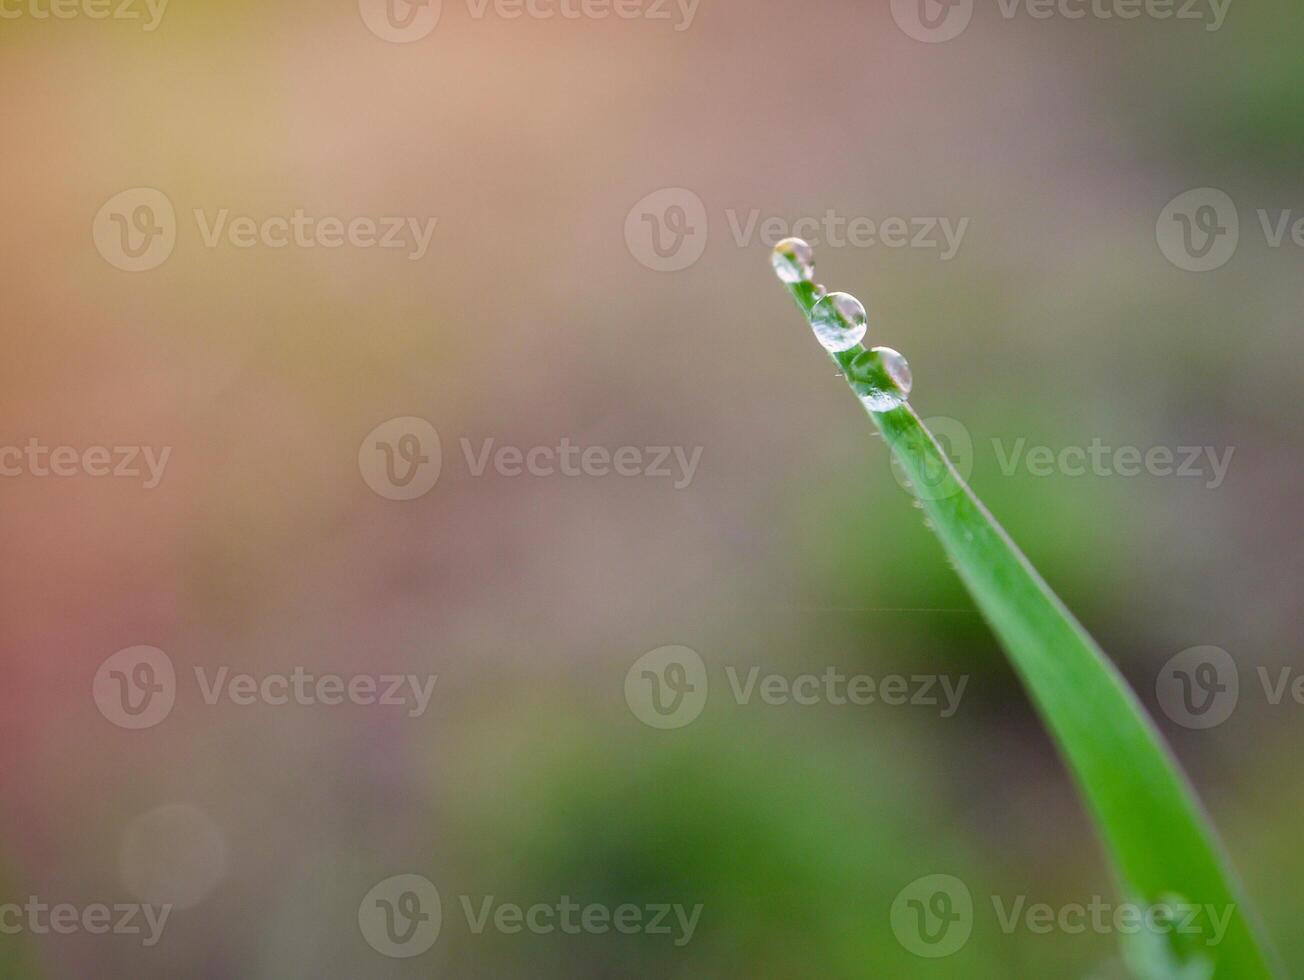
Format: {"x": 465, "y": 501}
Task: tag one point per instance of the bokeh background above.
{"x": 535, "y": 317}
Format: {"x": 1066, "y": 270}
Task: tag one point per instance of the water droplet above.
{"x": 881, "y": 378}
{"x": 793, "y": 260}
{"x": 174, "y": 854}
{"x": 820, "y": 291}
{"x": 839, "y": 321}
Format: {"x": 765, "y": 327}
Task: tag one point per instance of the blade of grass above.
{"x": 1164, "y": 847}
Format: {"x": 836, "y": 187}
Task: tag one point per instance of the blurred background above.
{"x": 604, "y": 193}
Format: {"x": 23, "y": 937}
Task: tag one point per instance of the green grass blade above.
{"x": 1164, "y": 847}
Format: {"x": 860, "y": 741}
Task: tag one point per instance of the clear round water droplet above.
{"x": 881, "y": 378}
{"x": 819, "y": 291}
{"x": 793, "y": 260}
{"x": 839, "y": 321}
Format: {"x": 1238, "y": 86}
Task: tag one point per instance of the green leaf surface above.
{"x": 1164, "y": 848}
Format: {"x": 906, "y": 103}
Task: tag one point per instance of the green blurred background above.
{"x": 535, "y": 317}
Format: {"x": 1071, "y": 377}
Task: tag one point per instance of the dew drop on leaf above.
{"x": 839, "y": 322}
{"x": 793, "y": 260}
{"x": 880, "y": 378}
